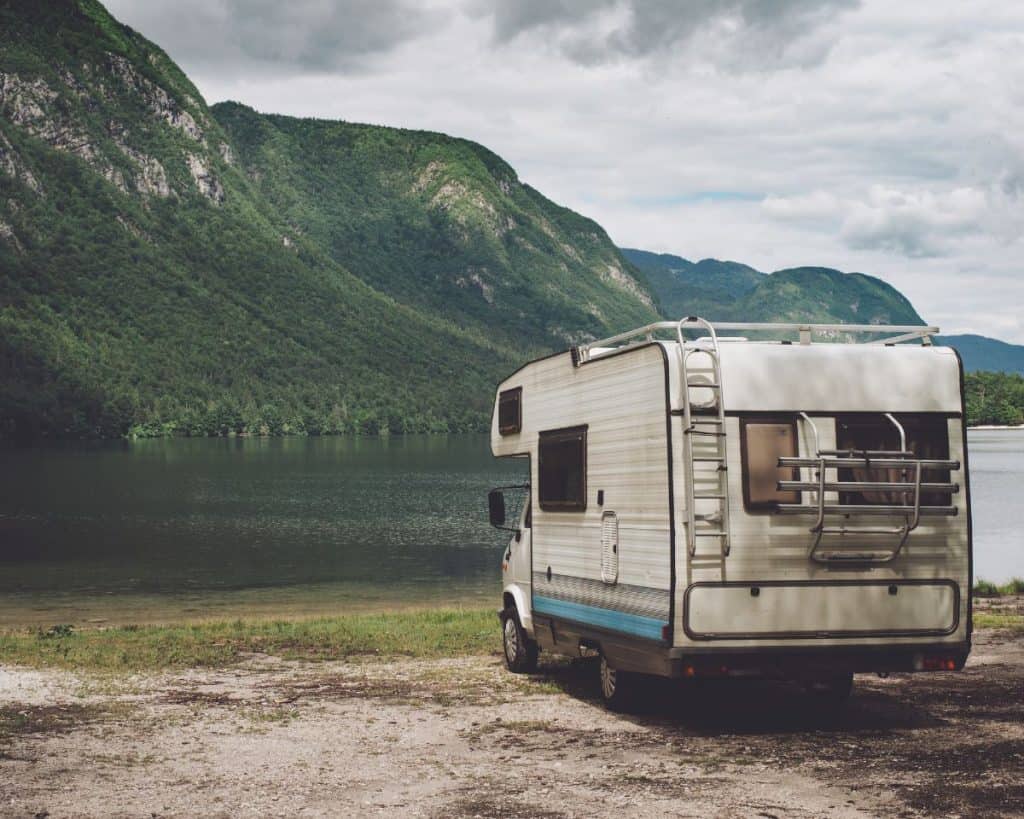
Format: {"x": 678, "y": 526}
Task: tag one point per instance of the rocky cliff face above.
{"x": 91, "y": 110}
{"x": 165, "y": 268}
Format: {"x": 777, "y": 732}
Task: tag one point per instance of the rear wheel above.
{"x": 618, "y": 688}
{"x": 520, "y": 651}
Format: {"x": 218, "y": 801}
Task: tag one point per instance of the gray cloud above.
{"x": 243, "y": 36}
{"x": 734, "y": 34}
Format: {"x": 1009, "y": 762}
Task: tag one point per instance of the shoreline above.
{"x": 453, "y": 734}
{"x": 450, "y": 631}
{"x": 19, "y": 610}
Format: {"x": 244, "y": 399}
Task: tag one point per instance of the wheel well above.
{"x": 508, "y": 600}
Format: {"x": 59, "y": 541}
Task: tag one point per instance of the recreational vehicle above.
{"x": 787, "y": 500}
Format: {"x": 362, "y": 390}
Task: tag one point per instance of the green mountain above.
{"x": 983, "y": 353}
{"x": 164, "y": 267}
{"x": 442, "y": 224}
{"x": 708, "y": 288}
{"x": 168, "y": 267}
{"x": 730, "y": 291}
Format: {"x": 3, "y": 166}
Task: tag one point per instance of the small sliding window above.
{"x": 562, "y": 468}
{"x": 510, "y": 411}
{"x": 763, "y": 440}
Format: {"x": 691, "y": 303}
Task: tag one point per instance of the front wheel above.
{"x": 520, "y": 651}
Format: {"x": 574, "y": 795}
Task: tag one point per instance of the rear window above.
{"x": 927, "y": 438}
{"x": 562, "y": 470}
{"x": 762, "y": 442}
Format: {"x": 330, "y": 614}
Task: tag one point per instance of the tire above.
{"x": 829, "y": 693}
{"x": 618, "y": 688}
{"x": 520, "y": 651}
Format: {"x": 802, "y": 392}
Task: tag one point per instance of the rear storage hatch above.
{"x": 828, "y": 608}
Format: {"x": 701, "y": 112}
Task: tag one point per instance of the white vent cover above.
{"x": 609, "y": 547}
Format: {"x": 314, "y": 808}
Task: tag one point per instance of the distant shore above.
{"x": 996, "y": 426}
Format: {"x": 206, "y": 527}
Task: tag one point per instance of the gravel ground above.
{"x": 465, "y": 738}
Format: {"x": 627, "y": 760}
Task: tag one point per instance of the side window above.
{"x": 927, "y": 438}
{"x": 510, "y": 411}
{"x": 562, "y": 469}
{"x": 762, "y": 442}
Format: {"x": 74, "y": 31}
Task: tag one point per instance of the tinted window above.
{"x": 763, "y": 442}
{"x": 562, "y": 468}
{"x": 927, "y": 438}
{"x": 510, "y": 411}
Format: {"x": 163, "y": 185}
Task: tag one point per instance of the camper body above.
{"x": 724, "y": 506}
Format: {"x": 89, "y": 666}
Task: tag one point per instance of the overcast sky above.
{"x": 878, "y": 136}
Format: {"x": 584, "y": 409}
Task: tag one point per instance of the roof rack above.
{"x": 887, "y": 334}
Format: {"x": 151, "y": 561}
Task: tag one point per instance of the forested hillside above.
{"x": 442, "y": 224}
{"x": 170, "y": 268}
{"x": 148, "y": 285}
{"x": 730, "y": 291}
{"x": 989, "y": 354}
{"x": 995, "y": 398}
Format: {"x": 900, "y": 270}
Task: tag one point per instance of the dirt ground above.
{"x": 463, "y": 738}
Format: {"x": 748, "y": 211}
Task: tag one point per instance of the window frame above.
{"x": 783, "y": 419}
{"x": 561, "y": 435}
{"x": 517, "y": 394}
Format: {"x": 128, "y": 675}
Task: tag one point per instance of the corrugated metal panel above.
{"x": 622, "y": 401}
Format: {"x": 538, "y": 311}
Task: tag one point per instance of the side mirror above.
{"x": 496, "y": 507}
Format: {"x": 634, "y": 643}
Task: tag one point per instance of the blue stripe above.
{"x": 603, "y": 618}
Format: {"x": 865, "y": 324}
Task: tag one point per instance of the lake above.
{"x": 150, "y": 531}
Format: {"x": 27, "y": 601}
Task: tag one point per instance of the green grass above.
{"x": 986, "y": 588}
{"x": 436, "y": 633}
{"x": 1013, "y": 622}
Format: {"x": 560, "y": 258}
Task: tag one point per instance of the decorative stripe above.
{"x": 602, "y": 618}
{"x": 639, "y": 600}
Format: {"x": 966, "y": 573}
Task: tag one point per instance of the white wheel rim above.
{"x": 511, "y": 640}
{"x": 607, "y": 679}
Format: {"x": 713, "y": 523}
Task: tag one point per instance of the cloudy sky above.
{"x": 871, "y": 135}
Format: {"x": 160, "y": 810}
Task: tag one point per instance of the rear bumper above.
{"x": 816, "y": 660}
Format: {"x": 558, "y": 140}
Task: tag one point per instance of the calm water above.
{"x": 157, "y": 530}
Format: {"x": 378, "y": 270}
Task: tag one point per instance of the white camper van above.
{"x": 762, "y": 504}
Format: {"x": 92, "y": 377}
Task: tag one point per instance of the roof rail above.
{"x": 889, "y": 333}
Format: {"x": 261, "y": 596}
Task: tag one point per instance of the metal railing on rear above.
{"x": 910, "y": 488}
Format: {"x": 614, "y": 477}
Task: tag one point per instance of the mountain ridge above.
{"x": 732, "y": 291}
{"x": 147, "y": 286}
{"x": 168, "y": 267}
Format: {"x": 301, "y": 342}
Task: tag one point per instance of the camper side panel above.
{"x": 608, "y": 566}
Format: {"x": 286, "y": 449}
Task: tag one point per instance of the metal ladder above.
{"x": 704, "y": 441}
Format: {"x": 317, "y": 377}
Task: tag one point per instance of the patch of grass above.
{"x": 1011, "y": 622}
{"x": 435, "y": 633}
{"x": 986, "y": 588}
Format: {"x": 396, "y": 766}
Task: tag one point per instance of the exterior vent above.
{"x": 609, "y": 547}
